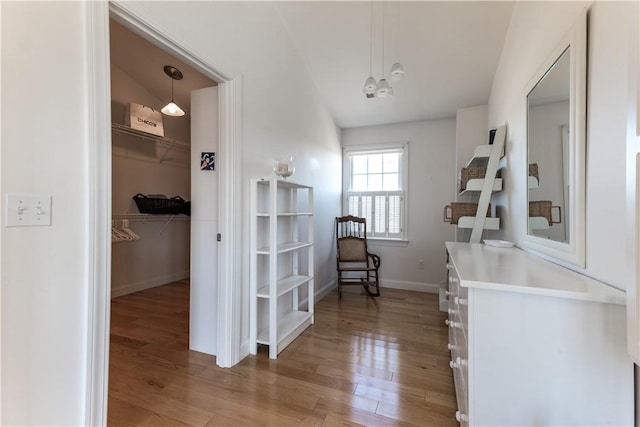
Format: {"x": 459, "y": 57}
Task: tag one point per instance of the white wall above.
{"x": 45, "y": 270}
{"x": 431, "y": 160}
{"x": 534, "y": 31}
{"x": 162, "y": 253}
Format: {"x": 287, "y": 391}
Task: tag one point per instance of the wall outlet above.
{"x": 421, "y": 264}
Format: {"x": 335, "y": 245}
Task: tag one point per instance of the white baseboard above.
{"x": 118, "y": 291}
{"x": 431, "y": 288}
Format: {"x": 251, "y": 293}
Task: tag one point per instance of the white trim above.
{"x": 573, "y": 253}
{"x": 99, "y": 195}
{"x": 148, "y": 284}
{"x": 432, "y": 288}
{"x": 98, "y": 172}
{"x": 230, "y": 253}
{"x": 387, "y": 147}
{"x": 230, "y": 161}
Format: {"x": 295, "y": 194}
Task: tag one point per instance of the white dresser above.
{"x": 533, "y": 343}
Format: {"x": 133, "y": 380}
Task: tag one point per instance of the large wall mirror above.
{"x": 556, "y": 128}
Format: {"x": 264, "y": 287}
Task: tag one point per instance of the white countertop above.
{"x": 514, "y": 270}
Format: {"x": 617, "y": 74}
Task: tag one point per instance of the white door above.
{"x": 203, "y": 313}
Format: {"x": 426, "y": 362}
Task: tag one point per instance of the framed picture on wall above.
{"x": 207, "y": 161}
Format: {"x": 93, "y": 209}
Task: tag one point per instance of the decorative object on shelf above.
{"x": 492, "y": 135}
{"x": 144, "y": 118}
{"x": 382, "y": 88}
{"x": 470, "y": 173}
{"x": 543, "y": 208}
{"x": 161, "y": 204}
{"x": 172, "y": 109}
{"x": 499, "y": 243}
{"x": 283, "y": 167}
{"x": 207, "y": 161}
{"x": 456, "y": 210}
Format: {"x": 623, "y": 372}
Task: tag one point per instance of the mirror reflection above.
{"x": 548, "y": 111}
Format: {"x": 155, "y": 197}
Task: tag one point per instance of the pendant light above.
{"x": 172, "y": 109}
{"x": 397, "y": 72}
{"x": 370, "y": 84}
{"x": 383, "y": 90}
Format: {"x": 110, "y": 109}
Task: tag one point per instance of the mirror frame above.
{"x": 573, "y": 251}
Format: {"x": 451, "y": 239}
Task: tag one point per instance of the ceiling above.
{"x": 449, "y": 50}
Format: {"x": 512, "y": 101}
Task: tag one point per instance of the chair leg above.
{"x": 368, "y": 286}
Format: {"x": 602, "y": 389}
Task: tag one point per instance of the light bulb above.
{"x": 397, "y": 71}
{"x": 172, "y": 109}
{"x": 383, "y": 89}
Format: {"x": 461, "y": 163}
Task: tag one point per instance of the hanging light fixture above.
{"x": 370, "y": 84}
{"x": 172, "y": 109}
{"x": 397, "y": 71}
{"x": 381, "y": 88}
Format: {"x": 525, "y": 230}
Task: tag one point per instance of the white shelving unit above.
{"x": 281, "y": 246}
{"x": 490, "y": 156}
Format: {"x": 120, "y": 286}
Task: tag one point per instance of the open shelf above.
{"x": 284, "y": 247}
{"x": 538, "y": 223}
{"x": 287, "y": 324}
{"x": 282, "y": 223}
{"x": 284, "y": 214}
{"x": 481, "y": 155}
{"x": 476, "y": 184}
{"x": 489, "y": 222}
{"x": 163, "y": 140}
{"x": 284, "y": 285}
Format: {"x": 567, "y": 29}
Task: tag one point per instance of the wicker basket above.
{"x": 533, "y": 170}
{"x": 160, "y": 206}
{"x": 460, "y": 209}
{"x": 470, "y": 173}
{"x": 542, "y": 208}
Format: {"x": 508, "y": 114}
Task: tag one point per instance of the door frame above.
{"x": 99, "y": 197}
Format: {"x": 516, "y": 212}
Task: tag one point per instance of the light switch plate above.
{"x": 27, "y": 210}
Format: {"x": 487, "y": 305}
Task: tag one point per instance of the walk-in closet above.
{"x": 172, "y": 163}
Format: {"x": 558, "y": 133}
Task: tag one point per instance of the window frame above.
{"x": 403, "y": 184}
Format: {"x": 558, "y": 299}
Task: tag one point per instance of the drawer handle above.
{"x": 452, "y": 311}
{"x": 453, "y": 324}
{"x": 460, "y": 417}
{"x": 453, "y": 280}
{"x": 447, "y": 293}
{"x": 460, "y": 301}
{"x": 451, "y": 347}
{"x": 447, "y": 322}
{"x": 455, "y": 364}
{"x": 448, "y": 266}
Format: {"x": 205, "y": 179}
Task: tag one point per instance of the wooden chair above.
{"x": 355, "y": 264}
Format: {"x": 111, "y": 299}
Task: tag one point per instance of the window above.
{"x": 374, "y": 187}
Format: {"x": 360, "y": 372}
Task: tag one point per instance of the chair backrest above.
{"x": 351, "y": 238}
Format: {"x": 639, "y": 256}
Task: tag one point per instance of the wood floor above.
{"x": 381, "y": 362}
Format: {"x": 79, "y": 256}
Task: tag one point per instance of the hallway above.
{"x": 364, "y": 362}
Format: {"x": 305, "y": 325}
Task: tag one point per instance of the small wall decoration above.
{"x": 207, "y": 161}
